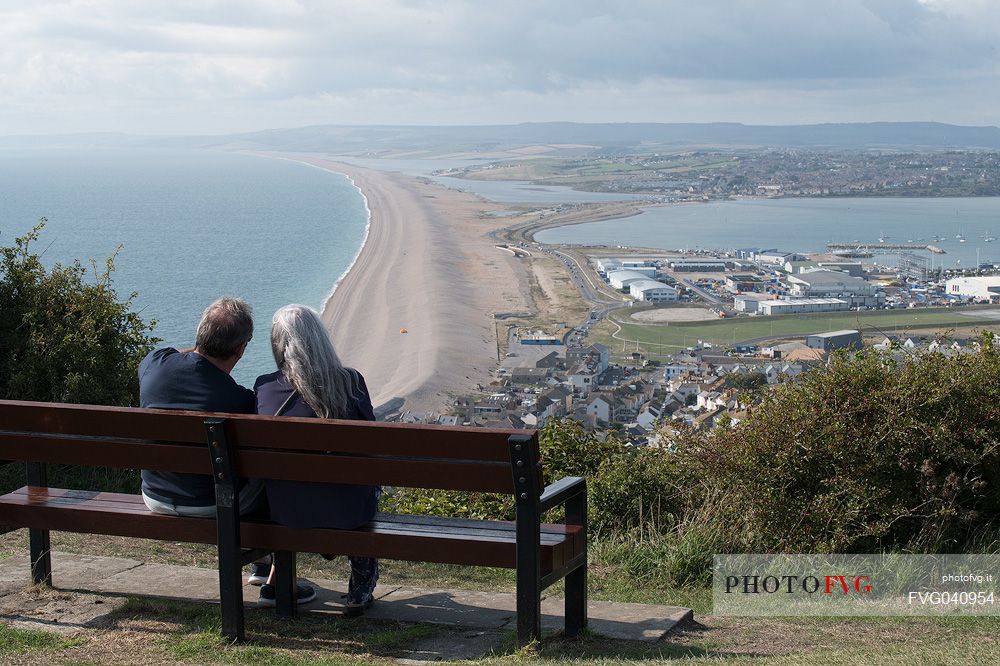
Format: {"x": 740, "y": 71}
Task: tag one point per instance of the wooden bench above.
{"x": 231, "y": 446}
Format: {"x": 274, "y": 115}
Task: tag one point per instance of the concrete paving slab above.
{"x": 637, "y": 622}
{"x": 68, "y": 570}
{"x": 162, "y": 580}
{"x": 480, "y": 610}
{"x": 55, "y": 610}
{"x": 628, "y": 622}
{"x": 482, "y": 613}
{"x": 448, "y": 645}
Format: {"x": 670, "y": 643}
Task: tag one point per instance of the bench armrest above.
{"x": 562, "y": 490}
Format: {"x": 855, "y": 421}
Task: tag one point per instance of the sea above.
{"x": 189, "y": 226}
{"x": 807, "y": 225}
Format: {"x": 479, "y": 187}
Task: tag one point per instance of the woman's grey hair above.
{"x": 306, "y": 357}
{"x": 225, "y": 326}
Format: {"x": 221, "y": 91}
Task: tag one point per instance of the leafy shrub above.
{"x": 869, "y": 453}
{"x": 66, "y": 337}
{"x": 566, "y": 448}
{"x": 637, "y": 488}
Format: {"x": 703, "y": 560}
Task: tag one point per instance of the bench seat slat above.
{"x": 554, "y": 533}
{"x": 421, "y": 538}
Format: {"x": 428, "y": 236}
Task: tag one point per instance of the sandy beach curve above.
{"x": 415, "y": 312}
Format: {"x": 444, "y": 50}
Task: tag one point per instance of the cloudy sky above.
{"x": 184, "y": 66}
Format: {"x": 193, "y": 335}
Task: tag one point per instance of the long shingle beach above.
{"x": 427, "y": 268}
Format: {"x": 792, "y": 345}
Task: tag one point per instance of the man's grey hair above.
{"x": 225, "y": 326}
{"x": 306, "y": 357}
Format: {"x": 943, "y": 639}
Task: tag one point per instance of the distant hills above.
{"x": 336, "y": 138}
{"x": 606, "y": 136}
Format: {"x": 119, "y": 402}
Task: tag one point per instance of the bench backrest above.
{"x": 296, "y": 449}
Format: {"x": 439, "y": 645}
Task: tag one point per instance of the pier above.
{"x": 891, "y": 247}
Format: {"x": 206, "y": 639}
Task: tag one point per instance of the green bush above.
{"x": 637, "y": 488}
{"x": 866, "y": 454}
{"x": 64, "y": 334}
{"x": 566, "y": 448}
{"x": 66, "y": 337}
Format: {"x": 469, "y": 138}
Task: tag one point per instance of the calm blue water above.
{"x": 195, "y": 225}
{"x": 804, "y": 225}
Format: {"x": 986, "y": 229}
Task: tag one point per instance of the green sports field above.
{"x": 659, "y": 339}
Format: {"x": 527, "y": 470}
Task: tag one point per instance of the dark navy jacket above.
{"x": 169, "y": 379}
{"x": 307, "y": 504}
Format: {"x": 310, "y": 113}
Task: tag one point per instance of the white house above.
{"x": 711, "y": 400}
{"x": 648, "y": 417}
{"x": 600, "y": 407}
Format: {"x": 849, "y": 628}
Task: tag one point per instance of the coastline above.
{"x": 364, "y": 235}
{"x": 414, "y": 310}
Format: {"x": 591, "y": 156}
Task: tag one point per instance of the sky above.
{"x": 216, "y": 67}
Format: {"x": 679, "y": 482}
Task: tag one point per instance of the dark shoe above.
{"x": 259, "y": 573}
{"x": 303, "y": 593}
{"x": 356, "y": 608}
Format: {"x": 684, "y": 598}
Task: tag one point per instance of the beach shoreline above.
{"x": 414, "y": 310}
{"x": 364, "y": 235}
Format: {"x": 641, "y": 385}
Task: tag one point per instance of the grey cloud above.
{"x": 427, "y": 57}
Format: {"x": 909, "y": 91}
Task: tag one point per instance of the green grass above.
{"x": 668, "y": 338}
{"x": 14, "y": 640}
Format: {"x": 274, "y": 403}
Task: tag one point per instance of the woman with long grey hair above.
{"x": 312, "y": 382}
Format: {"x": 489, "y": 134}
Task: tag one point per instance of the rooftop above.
{"x": 643, "y": 285}
{"x": 835, "y": 334}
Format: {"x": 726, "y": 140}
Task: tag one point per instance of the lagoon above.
{"x": 804, "y": 225}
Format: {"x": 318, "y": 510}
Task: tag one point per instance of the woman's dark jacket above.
{"x": 307, "y": 504}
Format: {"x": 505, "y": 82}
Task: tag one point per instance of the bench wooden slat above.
{"x": 165, "y": 457}
{"x": 554, "y": 533}
{"x": 406, "y": 472}
{"x": 256, "y": 463}
{"x": 450, "y": 540}
{"x": 431, "y": 441}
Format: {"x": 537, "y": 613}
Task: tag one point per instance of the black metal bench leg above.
{"x": 231, "y": 594}
{"x": 576, "y": 601}
{"x": 529, "y": 600}
{"x": 227, "y": 508}
{"x": 285, "y": 581}
{"x": 41, "y": 556}
{"x": 38, "y": 540}
{"x": 524, "y": 463}
{"x": 576, "y": 580}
